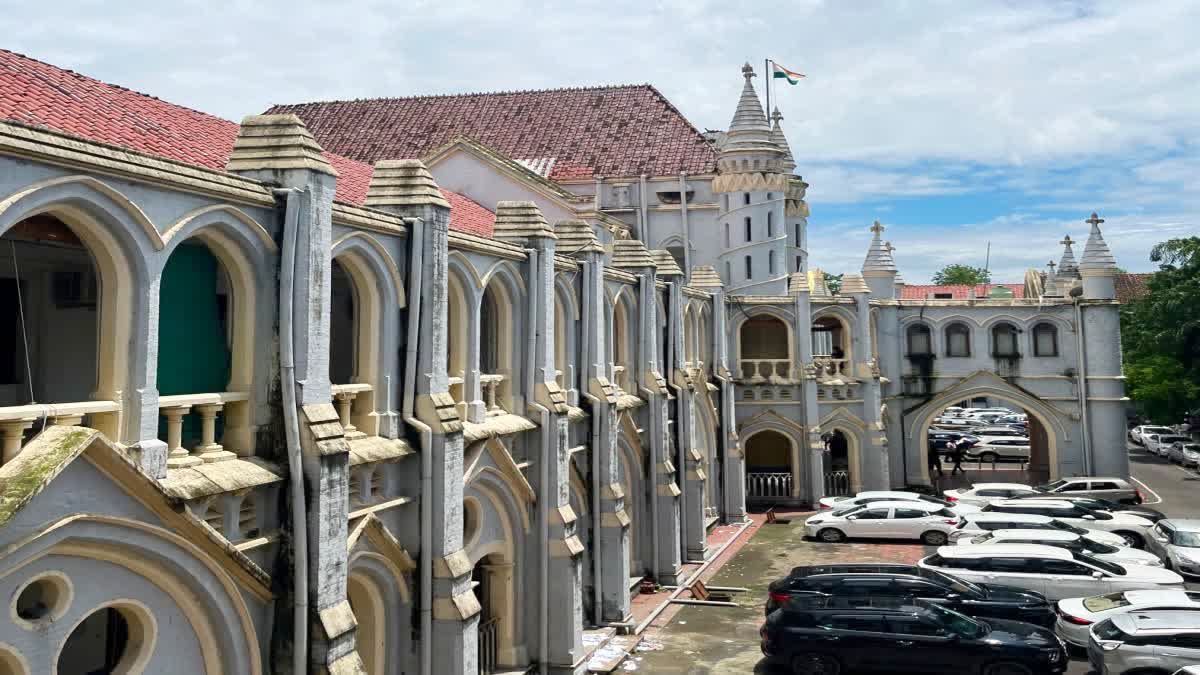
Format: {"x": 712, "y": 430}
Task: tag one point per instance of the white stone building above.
{"x": 428, "y": 385}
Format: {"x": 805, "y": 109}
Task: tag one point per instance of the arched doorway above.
{"x": 366, "y": 601}
{"x": 771, "y": 469}
{"x": 765, "y": 350}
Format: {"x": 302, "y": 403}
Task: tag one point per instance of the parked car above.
{"x": 999, "y": 431}
{"x": 1178, "y": 542}
{"x": 1134, "y": 529}
{"x": 954, "y": 422}
{"x": 974, "y": 524}
{"x": 1138, "y": 434}
{"x": 1019, "y": 420}
{"x": 1103, "y": 487}
{"x": 1076, "y": 616}
{"x": 840, "y": 503}
{"x": 1097, "y": 504}
{"x": 1054, "y": 572}
{"x": 982, "y": 494}
{"x": 990, "y": 450}
{"x": 1157, "y": 641}
{"x": 903, "y": 581}
{"x": 1188, "y": 670}
{"x": 1185, "y": 454}
{"x": 931, "y": 523}
{"x": 1160, "y": 443}
{"x": 1067, "y": 540}
{"x": 828, "y": 637}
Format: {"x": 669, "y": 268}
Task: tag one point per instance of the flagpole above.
{"x": 768, "y": 76}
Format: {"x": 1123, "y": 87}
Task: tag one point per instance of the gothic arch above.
{"x": 855, "y": 431}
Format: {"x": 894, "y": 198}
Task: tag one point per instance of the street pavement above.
{"x": 703, "y": 640}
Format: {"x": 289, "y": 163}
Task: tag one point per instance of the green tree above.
{"x": 833, "y": 282}
{"x": 1160, "y": 334}
{"x": 961, "y": 275}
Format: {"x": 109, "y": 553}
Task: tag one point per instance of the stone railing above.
{"x": 232, "y": 404}
{"x": 489, "y": 645}
{"x": 16, "y": 420}
{"x": 343, "y": 400}
{"x": 458, "y": 393}
{"x": 490, "y": 384}
{"x": 830, "y": 368}
{"x": 621, "y": 379}
{"x": 758, "y": 371}
{"x": 837, "y": 483}
{"x": 764, "y": 485}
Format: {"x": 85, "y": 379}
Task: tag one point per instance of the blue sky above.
{"x": 954, "y": 123}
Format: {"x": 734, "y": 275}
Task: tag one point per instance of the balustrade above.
{"x": 490, "y": 384}
{"x": 233, "y": 404}
{"x": 16, "y": 420}
{"x": 343, "y": 400}
{"x": 829, "y": 368}
{"x": 763, "y": 485}
{"x": 774, "y": 371}
{"x": 489, "y": 645}
{"x": 837, "y": 483}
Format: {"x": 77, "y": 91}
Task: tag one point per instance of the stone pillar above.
{"x": 662, "y": 467}
{"x": 812, "y": 445}
{"x": 690, "y": 461}
{"x": 733, "y": 470}
{"x": 873, "y": 457}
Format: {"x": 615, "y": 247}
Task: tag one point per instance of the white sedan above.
{"x": 1000, "y": 449}
{"x": 930, "y": 523}
{"x": 1076, "y": 615}
{"x": 840, "y": 503}
{"x": 1067, "y": 540}
{"x": 1160, "y": 444}
{"x": 1138, "y": 434}
{"x": 982, "y": 494}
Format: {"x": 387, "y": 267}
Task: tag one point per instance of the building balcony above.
{"x": 16, "y": 421}
{"x": 232, "y": 406}
{"x": 765, "y": 371}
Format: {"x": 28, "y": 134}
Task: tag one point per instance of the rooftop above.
{"x": 39, "y": 94}
{"x": 622, "y": 130}
{"x": 957, "y": 292}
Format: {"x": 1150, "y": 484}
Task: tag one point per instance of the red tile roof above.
{"x": 1132, "y": 286}
{"x": 39, "y": 94}
{"x": 600, "y": 131}
{"x": 467, "y": 215}
{"x": 958, "y": 292}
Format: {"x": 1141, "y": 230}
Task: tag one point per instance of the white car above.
{"x": 1054, "y": 572}
{"x": 1145, "y": 643}
{"x": 1159, "y": 444}
{"x": 999, "y": 431}
{"x": 982, "y": 494}
{"x": 1138, "y": 434}
{"x": 931, "y": 523}
{"x": 1000, "y": 449}
{"x": 1067, "y": 540}
{"x": 1178, "y": 542}
{"x": 1076, "y": 615}
{"x": 1134, "y": 529}
{"x": 974, "y": 524}
{"x": 840, "y": 503}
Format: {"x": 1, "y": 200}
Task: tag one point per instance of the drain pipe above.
{"x": 543, "y": 465}
{"x": 291, "y": 424}
{"x": 589, "y": 351}
{"x": 416, "y": 261}
{"x": 1083, "y": 408}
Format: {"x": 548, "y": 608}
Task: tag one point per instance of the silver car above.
{"x": 1177, "y": 542}
{"x": 1186, "y": 454}
{"x": 1097, "y": 487}
{"x": 1154, "y": 641}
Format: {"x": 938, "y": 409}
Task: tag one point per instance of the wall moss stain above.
{"x": 37, "y": 464}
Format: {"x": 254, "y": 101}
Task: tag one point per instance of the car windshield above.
{"x": 1111, "y": 568}
{"x": 983, "y": 538}
{"x": 1096, "y": 547}
{"x": 1103, "y": 603}
{"x": 1047, "y": 487}
{"x": 1105, "y": 630}
{"x": 959, "y": 586}
{"x": 1060, "y": 525}
{"x": 1156, "y": 430}
{"x": 1186, "y": 539}
{"x": 955, "y": 622}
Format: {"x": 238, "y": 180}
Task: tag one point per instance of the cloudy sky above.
{"x": 954, "y": 123}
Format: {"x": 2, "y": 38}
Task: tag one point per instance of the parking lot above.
{"x": 696, "y": 640}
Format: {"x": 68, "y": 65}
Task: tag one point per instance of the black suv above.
{"x": 825, "y": 636}
{"x": 1097, "y": 504}
{"x": 982, "y": 601}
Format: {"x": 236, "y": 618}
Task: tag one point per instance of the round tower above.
{"x": 752, "y": 193}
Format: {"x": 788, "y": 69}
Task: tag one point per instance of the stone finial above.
{"x": 816, "y": 283}
{"x": 520, "y": 220}
{"x": 667, "y": 266}
{"x": 1097, "y": 258}
{"x": 1067, "y": 268}
{"x": 854, "y": 283}
{"x": 403, "y": 182}
{"x": 780, "y": 140}
{"x": 749, "y": 116}
{"x": 576, "y": 236}
{"x": 276, "y": 142}
{"x": 1049, "y": 286}
{"x": 631, "y": 253}
{"x": 705, "y": 276}
{"x": 879, "y": 255}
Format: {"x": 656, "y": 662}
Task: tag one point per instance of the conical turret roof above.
{"x": 1096, "y": 254}
{"x": 749, "y": 116}
{"x": 1067, "y": 267}
{"x": 777, "y": 137}
{"x": 879, "y": 255}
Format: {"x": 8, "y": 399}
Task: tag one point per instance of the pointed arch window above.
{"x": 1045, "y": 340}
{"x": 749, "y": 268}
{"x": 748, "y": 226}
{"x": 958, "y": 340}
{"x": 920, "y": 340}
{"x": 770, "y": 224}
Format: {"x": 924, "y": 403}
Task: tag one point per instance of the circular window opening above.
{"x": 43, "y": 599}
{"x": 113, "y": 639}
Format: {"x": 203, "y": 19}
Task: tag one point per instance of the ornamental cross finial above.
{"x": 1066, "y": 241}
{"x": 888, "y": 246}
{"x": 748, "y": 71}
{"x": 1094, "y": 220}
{"x": 877, "y": 228}
{"x": 1051, "y": 265}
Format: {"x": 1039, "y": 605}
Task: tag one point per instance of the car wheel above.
{"x": 1006, "y": 668}
{"x": 831, "y": 535}
{"x": 987, "y": 457}
{"x": 934, "y": 538}
{"x": 1133, "y": 539}
{"x": 815, "y": 664}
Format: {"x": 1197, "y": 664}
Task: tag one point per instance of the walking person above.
{"x": 935, "y": 460}
{"x": 956, "y": 455}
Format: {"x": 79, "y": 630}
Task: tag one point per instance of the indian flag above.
{"x": 778, "y": 71}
